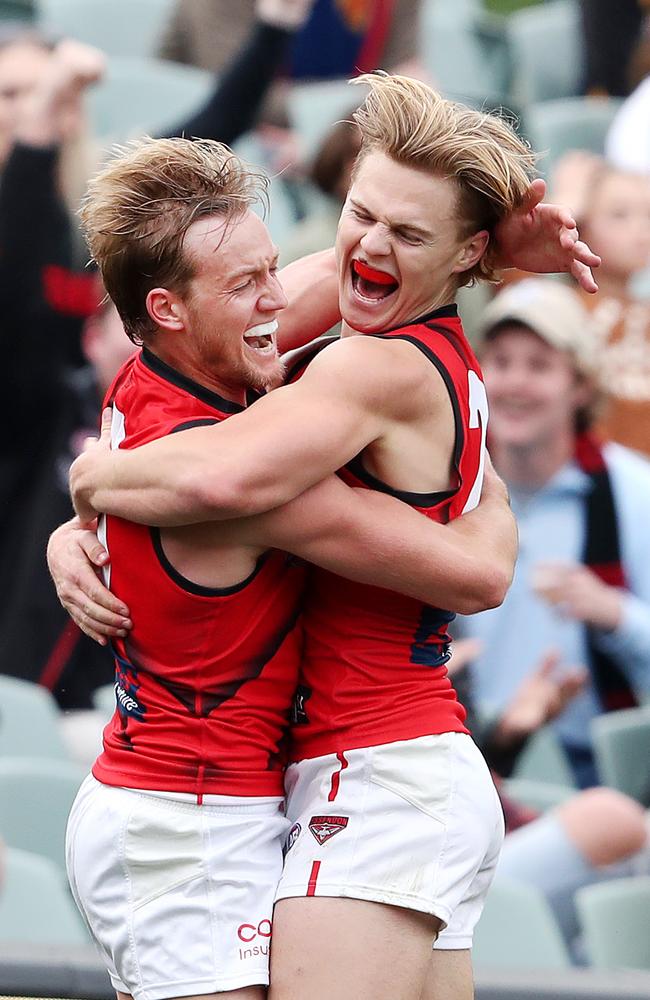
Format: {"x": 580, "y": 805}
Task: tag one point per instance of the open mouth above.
{"x": 260, "y": 338}
{"x": 370, "y": 284}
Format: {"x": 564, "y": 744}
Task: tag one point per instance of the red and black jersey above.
{"x": 205, "y": 677}
{"x": 374, "y": 665}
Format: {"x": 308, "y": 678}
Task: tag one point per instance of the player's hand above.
{"x": 290, "y": 14}
{"x": 544, "y": 239}
{"x": 576, "y": 592}
{"x": 540, "y": 698}
{"x": 74, "y": 557}
{"x": 55, "y": 111}
{"x": 86, "y": 470}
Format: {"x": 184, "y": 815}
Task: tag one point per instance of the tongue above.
{"x": 370, "y": 274}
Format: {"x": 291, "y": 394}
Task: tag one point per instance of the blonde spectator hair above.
{"x": 138, "y": 209}
{"x": 415, "y": 126}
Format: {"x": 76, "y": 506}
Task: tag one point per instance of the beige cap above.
{"x": 551, "y": 310}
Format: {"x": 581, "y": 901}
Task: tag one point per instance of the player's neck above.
{"x": 191, "y": 368}
{"x": 531, "y": 466}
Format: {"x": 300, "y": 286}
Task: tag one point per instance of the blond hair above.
{"x": 139, "y": 208}
{"x": 480, "y": 152}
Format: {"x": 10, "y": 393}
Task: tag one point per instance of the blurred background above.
{"x": 558, "y": 680}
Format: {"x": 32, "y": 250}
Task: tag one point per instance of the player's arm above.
{"x": 370, "y": 537}
{"x": 257, "y": 460}
{"x": 311, "y": 286}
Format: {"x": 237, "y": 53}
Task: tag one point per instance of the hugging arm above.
{"x": 369, "y": 537}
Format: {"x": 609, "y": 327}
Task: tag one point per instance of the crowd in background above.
{"x": 567, "y": 374}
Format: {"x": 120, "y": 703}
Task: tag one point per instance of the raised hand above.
{"x": 544, "y": 239}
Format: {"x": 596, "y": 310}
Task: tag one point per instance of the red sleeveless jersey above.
{"x": 374, "y": 665}
{"x": 204, "y": 680}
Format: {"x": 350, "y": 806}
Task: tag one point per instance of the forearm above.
{"x": 234, "y": 103}
{"x": 375, "y": 539}
{"x": 311, "y": 286}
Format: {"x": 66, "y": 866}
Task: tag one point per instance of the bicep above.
{"x": 311, "y": 286}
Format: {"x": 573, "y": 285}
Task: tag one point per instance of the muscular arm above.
{"x": 257, "y": 460}
{"x": 365, "y": 536}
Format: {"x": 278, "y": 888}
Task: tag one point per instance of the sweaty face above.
{"x": 398, "y": 245}
{"x": 532, "y": 388}
{"x": 21, "y": 67}
{"x": 233, "y": 303}
{"x": 618, "y": 224}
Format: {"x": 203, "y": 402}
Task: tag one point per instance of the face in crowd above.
{"x": 533, "y": 387}
{"x": 617, "y": 223}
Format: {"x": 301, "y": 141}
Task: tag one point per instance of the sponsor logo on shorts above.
{"x": 250, "y": 933}
{"x": 294, "y": 833}
{"x": 323, "y": 828}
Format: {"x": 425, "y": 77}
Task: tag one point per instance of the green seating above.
{"x": 118, "y": 27}
{"x": 314, "y": 107}
{"x": 544, "y": 759}
{"x": 545, "y": 46}
{"x": 464, "y": 48}
{"x": 16, "y": 10}
{"x": 555, "y": 127}
{"x": 621, "y": 742}
{"x": 139, "y": 96}
{"x": 29, "y": 721}
{"x": 518, "y": 930}
{"x": 36, "y": 907}
{"x": 35, "y": 800}
{"x": 615, "y": 920}
{"x": 539, "y": 795}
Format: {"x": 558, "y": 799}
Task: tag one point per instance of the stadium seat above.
{"x": 544, "y": 760}
{"x": 118, "y": 27}
{"x": 36, "y": 907}
{"x": 615, "y": 920}
{"x": 29, "y": 721}
{"x": 555, "y": 127}
{"x": 539, "y": 795}
{"x": 16, "y": 10}
{"x": 283, "y": 210}
{"x": 314, "y": 107}
{"x": 518, "y": 930}
{"x": 35, "y": 799}
{"x": 464, "y": 49}
{"x": 545, "y": 49}
{"x": 621, "y": 742}
{"x": 145, "y": 96}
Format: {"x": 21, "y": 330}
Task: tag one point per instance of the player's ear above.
{"x": 471, "y": 251}
{"x": 166, "y": 309}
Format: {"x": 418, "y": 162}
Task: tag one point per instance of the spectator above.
{"x": 595, "y": 834}
{"x": 582, "y": 582}
{"x": 340, "y": 39}
{"x": 613, "y": 211}
{"x": 610, "y": 33}
{"x": 50, "y": 400}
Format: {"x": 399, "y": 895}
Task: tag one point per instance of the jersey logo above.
{"x": 323, "y": 828}
{"x": 299, "y": 715}
{"x": 294, "y": 833}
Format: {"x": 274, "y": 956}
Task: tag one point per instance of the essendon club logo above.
{"x": 324, "y": 827}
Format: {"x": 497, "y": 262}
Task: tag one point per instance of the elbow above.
{"x": 489, "y": 591}
{"x": 228, "y": 494}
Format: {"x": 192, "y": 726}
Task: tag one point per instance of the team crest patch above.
{"x": 323, "y": 828}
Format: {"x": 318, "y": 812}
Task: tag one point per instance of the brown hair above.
{"x": 339, "y": 147}
{"x": 491, "y": 165}
{"x": 139, "y": 208}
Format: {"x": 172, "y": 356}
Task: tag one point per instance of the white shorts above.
{"x": 177, "y": 896}
{"x": 416, "y": 823}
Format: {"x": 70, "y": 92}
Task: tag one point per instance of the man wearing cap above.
{"x": 582, "y": 583}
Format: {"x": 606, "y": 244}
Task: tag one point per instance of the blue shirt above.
{"x": 552, "y": 525}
